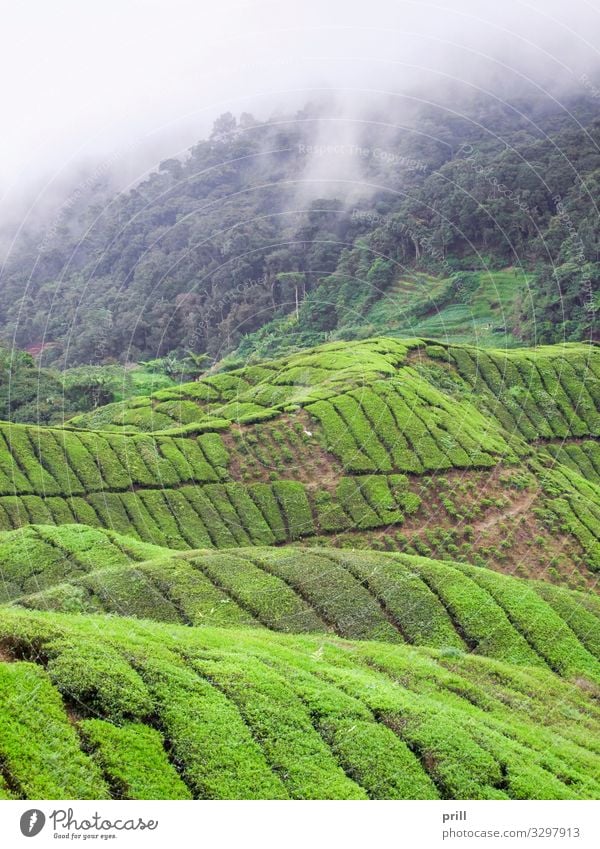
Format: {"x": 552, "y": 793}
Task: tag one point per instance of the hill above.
{"x": 238, "y": 236}
{"x": 107, "y": 707}
{"x": 476, "y": 306}
{"x": 366, "y": 570}
{"x": 356, "y": 595}
{"x": 440, "y": 450}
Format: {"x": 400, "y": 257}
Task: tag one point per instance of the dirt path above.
{"x": 522, "y": 504}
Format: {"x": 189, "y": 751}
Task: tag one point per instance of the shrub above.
{"x": 340, "y": 440}
{"x": 334, "y": 593}
{"x": 267, "y": 598}
{"x": 350, "y": 496}
{"x": 478, "y": 617}
{"x": 38, "y": 746}
{"x": 545, "y": 630}
{"x": 215, "y": 452}
{"x": 133, "y": 759}
{"x": 218, "y": 755}
{"x": 293, "y": 502}
{"x": 362, "y": 431}
{"x": 251, "y": 517}
{"x": 220, "y": 534}
{"x": 219, "y": 498}
{"x": 330, "y": 514}
{"x": 265, "y": 500}
{"x": 96, "y": 678}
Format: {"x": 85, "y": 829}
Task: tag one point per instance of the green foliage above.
{"x": 266, "y": 501}
{"x": 190, "y": 594}
{"x": 416, "y": 610}
{"x": 378, "y": 760}
{"x": 280, "y": 720}
{"x": 214, "y": 451}
{"x": 551, "y": 637}
{"x": 485, "y": 625}
{"x": 38, "y": 746}
{"x": 338, "y": 598}
{"x": 330, "y": 514}
{"x": 96, "y": 678}
{"x": 249, "y": 514}
{"x": 269, "y": 600}
{"x": 196, "y": 672}
{"x": 253, "y": 714}
{"x": 340, "y": 440}
{"x": 291, "y": 497}
{"x": 217, "y": 753}
{"x": 359, "y": 594}
{"x": 350, "y": 495}
{"x": 133, "y": 760}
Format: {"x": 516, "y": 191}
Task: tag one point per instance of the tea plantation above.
{"x": 96, "y": 707}
{"x": 366, "y": 570}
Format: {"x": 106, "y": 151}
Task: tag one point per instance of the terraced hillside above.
{"x": 273, "y": 583}
{"x": 445, "y": 451}
{"x": 429, "y": 306}
{"x": 394, "y": 598}
{"x": 92, "y": 707}
{"x": 474, "y": 307}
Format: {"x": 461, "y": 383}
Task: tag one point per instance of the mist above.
{"x": 95, "y": 95}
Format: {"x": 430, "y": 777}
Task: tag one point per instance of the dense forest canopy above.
{"x": 288, "y": 232}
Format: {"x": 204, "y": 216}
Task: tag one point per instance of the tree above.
{"x": 223, "y": 127}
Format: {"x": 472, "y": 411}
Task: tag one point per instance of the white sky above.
{"x": 145, "y": 78}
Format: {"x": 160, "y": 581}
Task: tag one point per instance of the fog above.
{"x": 102, "y": 91}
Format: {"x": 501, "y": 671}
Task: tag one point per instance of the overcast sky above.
{"x": 133, "y": 81}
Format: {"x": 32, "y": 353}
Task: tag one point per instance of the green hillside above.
{"x": 441, "y": 450}
{"x": 357, "y": 595}
{"x": 367, "y": 570}
{"x": 234, "y": 245}
{"x": 476, "y": 307}
{"x": 97, "y": 707}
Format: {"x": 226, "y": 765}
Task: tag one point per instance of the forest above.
{"x": 235, "y": 246}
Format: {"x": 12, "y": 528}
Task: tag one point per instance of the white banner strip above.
{"x": 278, "y": 825}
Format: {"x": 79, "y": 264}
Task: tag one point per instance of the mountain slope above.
{"x": 238, "y": 233}
{"x": 193, "y": 604}
{"x": 442, "y": 450}
{"x": 356, "y": 595}
{"x": 140, "y": 710}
